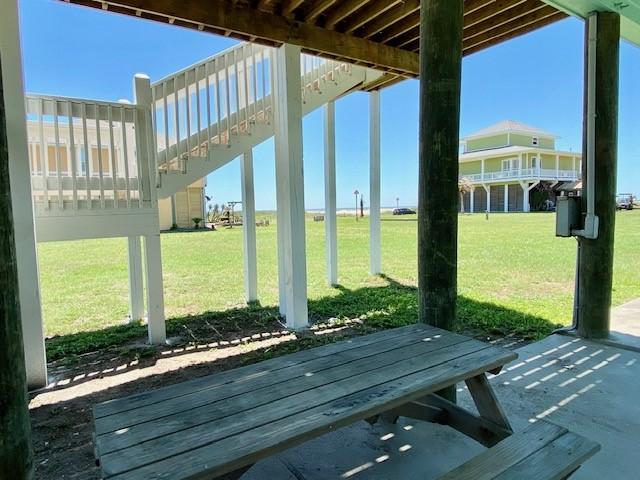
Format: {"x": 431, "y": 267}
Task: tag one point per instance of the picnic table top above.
{"x": 219, "y": 423}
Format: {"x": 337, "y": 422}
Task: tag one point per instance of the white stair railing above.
{"x": 83, "y": 154}
{"x": 205, "y": 105}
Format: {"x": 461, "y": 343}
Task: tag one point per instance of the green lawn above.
{"x": 514, "y": 274}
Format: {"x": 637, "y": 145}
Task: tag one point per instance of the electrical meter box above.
{"x": 567, "y": 215}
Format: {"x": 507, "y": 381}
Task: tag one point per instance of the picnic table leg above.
{"x": 485, "y": 399}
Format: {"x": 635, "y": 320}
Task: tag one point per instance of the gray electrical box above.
{"x": 567, "y": 215}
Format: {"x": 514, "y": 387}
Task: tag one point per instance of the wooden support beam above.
{"x": 220, "y": 16}
{"x": 390, "y": 18}
{"x": 136, "y": 285}
{"x": 331, "y": 230}
{"x": 16, "y": 457}
{"x": 375, "y": 230}
{"x": 22, "y": 201}
{"x": 595, "y": 256}
{"x": 290, "y": 183}
{"x": 511, "y": 15}
{"x": 250, "y": 256}
{"x": 439, "y": 135}
{"x": 289, "y": 6}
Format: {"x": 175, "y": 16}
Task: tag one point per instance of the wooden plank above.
{"x": 342, "y": 11}
{"x": 555, "y": 460}
{"x": 249, "y": 372}
{"x": 369, "y": 12}
{"x": 270, "y": 29}
{"x": 168, "y": 417}
{"x": 352, "y": 403}
{"x": 507, "y": 453}
{"x": 486, "y": 401}
{"x": 390, "y": 18}
{"x": 316, "y": 9}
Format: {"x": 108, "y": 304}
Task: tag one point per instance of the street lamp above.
{"x": 397, "y": 202}
{"x": 356, "y": 193}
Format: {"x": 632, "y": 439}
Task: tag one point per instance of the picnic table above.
{"x": 223, "y": 423}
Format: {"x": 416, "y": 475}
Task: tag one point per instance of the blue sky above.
{"x": 536, "y": 79}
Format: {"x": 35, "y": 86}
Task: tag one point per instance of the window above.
{"x": 534, "y": 162}
{"x": 534, "y": 141}
{"x": 509, "y": 164}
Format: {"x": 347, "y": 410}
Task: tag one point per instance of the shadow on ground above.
{"x": 91, "y": 367}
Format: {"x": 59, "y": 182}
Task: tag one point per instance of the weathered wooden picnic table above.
{"x": 223, "y": 423}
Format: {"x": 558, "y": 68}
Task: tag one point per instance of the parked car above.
{"x": 403, "y": 211}
{"x": 624, "y": 201}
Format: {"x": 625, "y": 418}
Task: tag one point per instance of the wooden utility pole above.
{"x": 16, "y": 460}
{"x": 439, "y": 130}
{"x": 595, "y": 261}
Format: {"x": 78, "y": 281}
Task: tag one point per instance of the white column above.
{"x": 506, "y": 197}
{"x": 375, "y": 261}
{"x": 152, "y": 250}
{"x": 525, "y": 196}
{"x": 330, "y": 226}
{"x": 249, "y": 228}
{"x": 20, "y": 178}
{"x": 482, "y": 169}
{"x": 290, "y": 183}
{"x": 487, "y": 190}
{"x": 471, "y": 200}
{"x": 136, "y": 286}
{"x": 557, "y": 166}
{"x": 155, "y": 294}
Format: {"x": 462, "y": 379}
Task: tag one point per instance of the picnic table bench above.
{"x": 223, "y": 423}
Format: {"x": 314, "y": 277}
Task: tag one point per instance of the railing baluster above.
{"x": 264, "y": 85}
{"x": 218, "y": 92}
{"x": 56, "y": 132}
{"x": 87, "y": 156}
{"x": 245, "y": 78}
{"x": 228, "y": 95}
{"x": 207, "y": 84}
{"x": 237, "y": 84}
{"x": 187, "y": 100}
{"x": 72, "y": 156}
{"x": 166, "y": 126}
{"x": 44, "y": 154}
{"x": 112, "y": 155}
{"x": 254, "y": 77}
{"x": 176, "y": 109}
{"x": 198, "y": 123}
{"x": 99, "y": 141}
{"x": 125, "y": 153}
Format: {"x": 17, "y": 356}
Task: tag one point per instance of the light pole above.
{"x": 356, "y": 193}
{"x": 397, "y": 202}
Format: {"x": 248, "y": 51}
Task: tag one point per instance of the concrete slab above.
{"x": 625, "y": 325}
{"x": 590, "y": 388}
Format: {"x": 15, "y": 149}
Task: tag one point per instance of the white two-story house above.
{"x": 513, "y": 167}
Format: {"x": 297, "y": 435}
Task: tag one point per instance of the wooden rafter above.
{"x": 382, "y": 34}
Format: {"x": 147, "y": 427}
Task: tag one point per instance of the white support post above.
{"x": 20, "y": 178}
{"x": 375, "y": 262}
{"x": 487, "y": 189}
{"x": 482, "y": 169}
{"x": 145, "y": 152}
{"x": 330, "y": 226}
{"x": 472, "y": 200}
{"x": 506, "y": 197}
{"x": 525, "y": 196}
{"x": 136, "y": 286}
{"x": 290, "y": 183}
{"x": 557, "y": 166}
{"x": 155, "y": 295}
{"x": 249, "y": 228}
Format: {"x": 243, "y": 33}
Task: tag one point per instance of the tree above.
{"x": 464, "y": 186}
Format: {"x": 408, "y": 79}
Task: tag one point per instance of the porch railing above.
{"x": 83, "y": 154}
{"x": 524, "y": 173}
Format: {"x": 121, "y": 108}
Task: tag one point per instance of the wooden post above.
{"x": 23, "y": 218}
{"x": 375, "y": 261}
{"x": 136, "y": 286}
{"x": 439, "y": 130}
{"x": 290, "y": 183}
{"x": 330, "y": 227}
{"x": 16, "y": 458}
{"x": 249, "y": 228}
{"x": 595, "y": 259}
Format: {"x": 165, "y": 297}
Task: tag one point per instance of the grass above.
{"x": 515, "y": 276}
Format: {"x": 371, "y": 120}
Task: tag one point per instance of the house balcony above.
{"x": 524, "y": 174}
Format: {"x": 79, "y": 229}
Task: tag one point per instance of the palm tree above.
{"x": 464, "y": 186}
